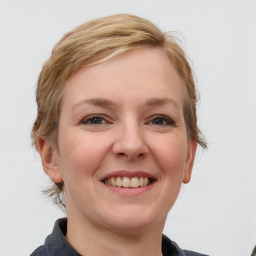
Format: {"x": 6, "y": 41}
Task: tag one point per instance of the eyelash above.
{"x": 165, "y": 121}
{"x": 89, "y": 119}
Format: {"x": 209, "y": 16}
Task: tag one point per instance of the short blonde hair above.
{"x": 95, "y": 42}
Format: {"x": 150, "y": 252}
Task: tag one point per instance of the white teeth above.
{"x": 113, "y": 182}
{"x": 118, "y": 182}
{"x": 127, "y": 182}
{"x": 135, "y": 182}
{"x": 141, "y": 181}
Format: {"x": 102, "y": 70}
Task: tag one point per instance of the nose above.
{"x": 130, "y": 142}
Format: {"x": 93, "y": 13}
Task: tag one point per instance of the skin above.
{"x": 123, "y": 114}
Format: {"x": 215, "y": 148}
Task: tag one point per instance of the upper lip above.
{"x": 129, "y": 174}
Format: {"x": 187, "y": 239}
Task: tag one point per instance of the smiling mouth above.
{"x": 126, "y": 182}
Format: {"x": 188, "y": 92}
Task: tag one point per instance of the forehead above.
{"x": 138, "y": 73}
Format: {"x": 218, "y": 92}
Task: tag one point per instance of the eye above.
{"x": 94, "y": 120}
{"x": 162, "y": 121}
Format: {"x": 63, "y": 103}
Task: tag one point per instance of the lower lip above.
{"x": 130, "y": 192}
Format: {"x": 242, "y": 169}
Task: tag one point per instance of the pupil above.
{"x": 158, "y": 121}
{"x": 96, "y": 121}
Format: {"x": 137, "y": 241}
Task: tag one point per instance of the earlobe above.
{"x": 49, "y": 160}
{"x": 189, "y": 161}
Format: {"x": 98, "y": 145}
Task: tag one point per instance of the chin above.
{"x": 134, "y": 219}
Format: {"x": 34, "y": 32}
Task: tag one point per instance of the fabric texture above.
{"x": 56, "y": 244}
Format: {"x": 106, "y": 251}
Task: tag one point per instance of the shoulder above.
{"x": 40, "y": 251}
{"x": 55, "y": 243}
{"x": 171, "y": 248}
{"x": 190, "y": 253}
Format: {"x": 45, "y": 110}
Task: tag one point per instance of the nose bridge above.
{"x": 130, "y": 139}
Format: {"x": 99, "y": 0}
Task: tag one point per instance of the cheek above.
{"x": 80, "y": 154}
{"x": 171, "y": 154}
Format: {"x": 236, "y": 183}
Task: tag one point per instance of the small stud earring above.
{"x": 187, "y": 179}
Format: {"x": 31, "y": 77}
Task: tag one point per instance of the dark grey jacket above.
{"x": 56, "y": 244}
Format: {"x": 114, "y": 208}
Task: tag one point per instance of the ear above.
{"x": 49, "y": 160}
{"x": 192, "y": 145}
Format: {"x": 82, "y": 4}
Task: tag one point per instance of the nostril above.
{"x": 129, "y": 149}
{"x": 122, "y": 154}
{"x": 131, "y": 156}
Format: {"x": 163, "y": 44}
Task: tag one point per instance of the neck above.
{"x": 93, "y": 241}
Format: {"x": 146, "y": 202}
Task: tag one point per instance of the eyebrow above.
{"x": 162, "y": 101}
{"x": 152, "y": 102}
{"x": 96, "y": 102}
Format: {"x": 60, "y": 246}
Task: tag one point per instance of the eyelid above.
{"x": 166, "y": 118}
{"x": 99, "y": 116}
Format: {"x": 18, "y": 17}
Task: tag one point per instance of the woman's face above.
{"x": 123, "y": 150}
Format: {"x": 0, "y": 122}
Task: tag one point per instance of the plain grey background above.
{"x": 216, "y": 212}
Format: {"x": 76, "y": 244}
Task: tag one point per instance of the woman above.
{"x": 117, "y": 134}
